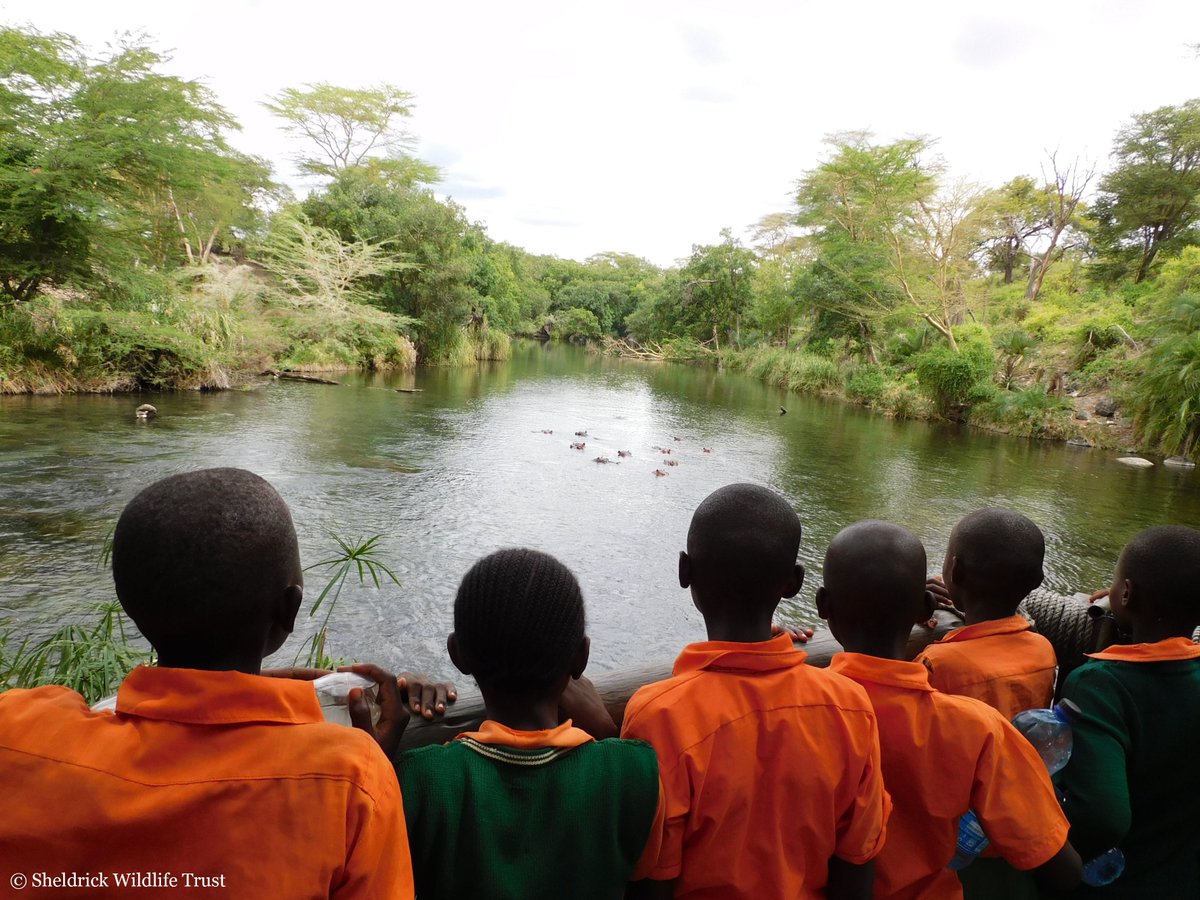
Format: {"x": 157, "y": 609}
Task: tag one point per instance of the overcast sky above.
{"x": 646, "y": 127}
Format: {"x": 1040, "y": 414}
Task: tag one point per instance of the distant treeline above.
{"x": 138, "y": 248}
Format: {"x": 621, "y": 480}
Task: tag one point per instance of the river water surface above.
{"x": 463, "y": 467}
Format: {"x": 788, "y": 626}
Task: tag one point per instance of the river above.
{"x": 463, "y": 467}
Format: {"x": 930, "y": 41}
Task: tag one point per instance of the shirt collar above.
{"x": 909, "y": 676}
{"x": 199, "y": 697}
{"x": 1175, "y": 648}
{"x": 1008, "y": 625}
{"x": 738, "y": 656}
{"x": 565, "y": 736}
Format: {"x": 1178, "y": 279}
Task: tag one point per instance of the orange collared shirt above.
{"x": 943, "y": 755}
{"x": 232, "y": 784}
{"x": 1169, "y": 650}
{"x": 770, "y": 768}
{"x": 1001, "y": 662}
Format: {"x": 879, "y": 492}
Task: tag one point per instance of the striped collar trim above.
{"x": 515, "y": 757}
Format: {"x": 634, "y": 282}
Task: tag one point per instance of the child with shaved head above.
{"x": 994, "y": 559}
{"x": 1133, "y": 779}
{"x": 942, "y": 755}
{"x": 525, "y": 808}
{"x": 770, "y": 766}
{"x": 208, "y": 772}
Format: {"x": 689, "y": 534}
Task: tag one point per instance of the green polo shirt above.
{"x": 510, "y": 815}
{"x": 1134, "y": 778}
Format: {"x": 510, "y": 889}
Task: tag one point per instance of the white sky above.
{"x": 576, "y": 128}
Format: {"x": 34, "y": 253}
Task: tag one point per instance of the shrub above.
{"x": 948, "y": 377}
{"x": 867, "y": 385}
{"x": 576, "y": 324}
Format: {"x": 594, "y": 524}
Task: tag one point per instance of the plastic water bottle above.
{"x": 1105, "y": 868}
{"x": 1049, "y": 730}
{"x": 333, "y": 694}
{"x": 971, "y": 841}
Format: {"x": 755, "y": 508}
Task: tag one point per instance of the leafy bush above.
{"x": 948, "y": 377}
{"x": 867, "y": 385}
{"x": 1167, "y": 397}
{"x": 576, "y": 324}
{"x": 1032, "y": 412}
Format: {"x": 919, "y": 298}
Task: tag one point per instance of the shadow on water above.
{"x": 463, "y": 467}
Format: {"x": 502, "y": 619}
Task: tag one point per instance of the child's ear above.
{"x": 954, "y": 571}
{"x": 455, "y": 655}
{"x": 823, "y": 603}
{"x": 685, "y": 570}
{"x": 580, "y": 660}
{"x": 795, "y": 582}
{"x": 289, "y": 607}
{"x": 928, "y": 604}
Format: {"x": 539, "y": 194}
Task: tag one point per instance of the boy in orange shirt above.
{"x": 770, "y": 766}
{"x": 207, "y": 777}
{"x": 942, "y": 755}
{"x": 994, "y": 559}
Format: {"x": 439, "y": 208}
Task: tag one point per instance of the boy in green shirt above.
{"x": 1133, "y": 780}
{"x": 526, "y": 808}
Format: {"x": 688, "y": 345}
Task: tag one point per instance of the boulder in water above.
{"x": 1179, "y": 462}
{"x": 146, "y": 411}
{"x": 1136, "y": 461}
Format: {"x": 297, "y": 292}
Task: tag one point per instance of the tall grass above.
{"x": 91, "y": 659}
{"x": 353, "y": 556}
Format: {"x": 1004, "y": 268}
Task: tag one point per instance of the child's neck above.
{"x": 740, "y": 626}
{"x": 975, "y": 610}
{"x": 883, "y": 646}
{"x": 1160, "y": 630}
{"x": 521, "y": 713}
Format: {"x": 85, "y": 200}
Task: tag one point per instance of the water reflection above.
{"x": 463, "y": 467}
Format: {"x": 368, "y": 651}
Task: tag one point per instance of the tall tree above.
{"x": 91, "y": 147}
{"x": 1012, "y": 215}
{"x": 351, "y": 127}
{"x": 1062, "y": 195}
{"x": 1150, "y": 202}
{"x": 886, "y": 235}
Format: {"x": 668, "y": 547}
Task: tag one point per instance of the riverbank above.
{"x": 1028, "y": 411}
{"x": 214, "y": 328}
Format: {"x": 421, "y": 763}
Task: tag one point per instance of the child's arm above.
{"x": 850, "y": 881}
{"x": 393, "y": 714}
{"x": 1062, "y": 871}
{"x": 583, "y": 705}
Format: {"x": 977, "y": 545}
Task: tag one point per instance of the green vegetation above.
{"x": 94, "y": 658}
{"x": 138, "y": 249}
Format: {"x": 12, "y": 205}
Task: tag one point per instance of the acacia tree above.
{"x": 1150, "y": 201}
{"x": 856, "y": 207}
{"x": 1011, "y": 216}
{"x": 1062, "y": 195}
{"x": 89, "y": 146}
{"x": 351, "y": 127}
